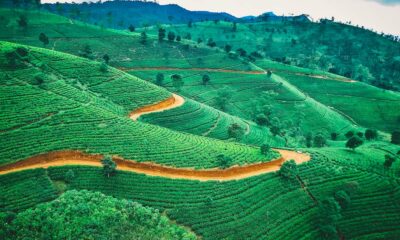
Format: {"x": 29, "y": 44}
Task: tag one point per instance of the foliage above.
{"x": 161, "y": 34}
{"x": 160, "y": 79}
{"x": 319, "y": 140}
{"x": 343, "y": 198}
{"x": 69, "y": 176}
{"x": 236, "y": 131}
{"x": 109, "y": 166}
{"x": 265, "y": 148}
{"x": 289, "y": 170}
{"x": 395, "y": 137}
{"x": 91, "y": 215}
{"x": 171, "y": 36}
{"x": 44, "y": 39}
{"x": 106, "y": 58}
{"x": 389, "y": 160}
{"x": 131, "y": 28}
{"x": 143, "y": 38}
{"x": 224, "y": 161}
{"x": 371, "y": 134}
{"x": 23, "y": 21}
{"x": 206, "y": 79}
{"x": 177, "y": 82}
{"x": 354, "y": 142}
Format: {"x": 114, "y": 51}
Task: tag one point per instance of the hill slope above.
{"x": 339, "y": 48}
{"x": 88, "y": 114}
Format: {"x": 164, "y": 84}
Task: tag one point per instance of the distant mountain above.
{"x": 121, "y": 14}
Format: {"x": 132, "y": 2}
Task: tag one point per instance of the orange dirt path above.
{"x": 172, "y": 102}
{"x": 63, "y": 158}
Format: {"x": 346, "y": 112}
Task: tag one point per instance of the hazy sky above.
{"x": 381, "y": 15}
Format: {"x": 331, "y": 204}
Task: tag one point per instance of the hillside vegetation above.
{"x": 80, "y": 112}
{"x": 83, "y": 106}
{"x": 89, "y": 215}
{"x": 342, "y": 49}
{"x": 125, "y": 50}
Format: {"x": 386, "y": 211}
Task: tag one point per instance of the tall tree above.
{"x": 161, "y": 34}
{"x": 44, "y": 39}
{"x": 354, "y": 142}
{"x": 109, "y": 166}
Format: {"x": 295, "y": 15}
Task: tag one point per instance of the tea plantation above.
{"x": 249, "y": 90}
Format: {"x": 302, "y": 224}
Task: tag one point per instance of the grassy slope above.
{"x": 299, "y": 113}
{"x": 126, "y": 51}
{"x": 266, "y": 206}
{"x": 92, "y": 116}
{"x": 351, "y": 51}
{"x": 366, "y": 105}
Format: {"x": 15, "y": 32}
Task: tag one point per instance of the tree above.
{"x": 86, "y": 52}
{"x": 159, "y": 79}
{"x": 39, "y": 79}
{"x": 329, "y": 211}
{"x": 262, "y": 119}
{"x": 319, "y": 140}
{"x": 211, "y": 43}
{"x": 265, "y": 149}
{"x": 109, "y": 166}
{"x": 44, "y": 39}
{"x": 23, "y": 21}
{"x": 190, "y": 23}
{"x": 206, "y": 79}
{"x": 177, "y": 82}
{"x": 178, "y": 38}
{"x": 143, "y": 38}
{"x": 360, "y": 134}
{"x": 228, "y": 48}
{"x": 354, "y": 142}
{"x": 241, "y": 52}
{"x": 161, "y": 34}
{"x": 222, "y": 98}
{"x": 106, "y": 58}
{"x": 17, "y": 57}
{"x": 69, "y": 176}
{"x": 309, "y": 140}
{"x": 171, "y": 36}
{"x": 389, "y": 160}
{"x": 234, "y": 27}
{"x": 371, "y": 134}
{"x": 103, "y": 67}
{"x": 395, "y": 137}
{"x": 223, "y": 161}
{"x": 131, "y": 28}
{"x": 289, "y": 170}
{"x": 90, "y": 215}
{"x": 349, "y": 134}
{"x": 236, "y": 131}
{"x": 269, "y": 73}
{"x": 342, "y": 198}
{"x": 334, "y": 136}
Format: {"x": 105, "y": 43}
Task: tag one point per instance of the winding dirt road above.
{"x": 172, "y": 102}
{"x": 63, "y": 158}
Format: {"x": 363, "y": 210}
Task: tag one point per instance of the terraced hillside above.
{"x": 268, "y": 206}
{"x": 107, "y": 134}
{"x": 288, "y": 108}
{"x": 363, "y": 104}
{"x": 126, "y": 50}
{"x": 340, "y": 48}
{"x": 87, "y": 107}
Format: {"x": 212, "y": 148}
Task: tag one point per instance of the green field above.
{"x": 76, "y": 92}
